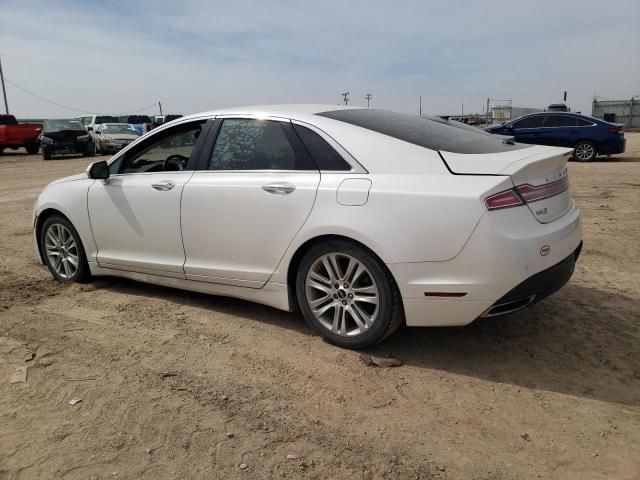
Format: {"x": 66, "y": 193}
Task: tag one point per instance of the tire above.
{"x": 46, "y": 154}
{"x": 54, "y": 243}
{"x": 585, "y": 151}
{"x": 32, "y": 149}
{"x": 91, "y": 152}
{"x": 351, "y": 316}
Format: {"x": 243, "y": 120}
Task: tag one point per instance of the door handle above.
{"x": 281, "y": 188}
{"x": 163, "y": 186}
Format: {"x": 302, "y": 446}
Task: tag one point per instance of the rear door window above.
{"x": 559, "y": 121}
{"x": 249, "y": 144}
{"x": 529, "y": 122}
{"x": 581, "y": 122}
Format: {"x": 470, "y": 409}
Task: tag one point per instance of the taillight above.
{"x": 506, "y": 199}
{"x": 522, "y": 194}
{"x": 530, "y": 193}
{"x": 615, "y": 129}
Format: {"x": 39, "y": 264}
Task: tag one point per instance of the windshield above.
{"x": 59, "y": 125}
{"x": 107, "y": 119}
{"x": 120, "y": 128}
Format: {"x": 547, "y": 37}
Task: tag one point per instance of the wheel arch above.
{"x": 296, "y": 258}
{"x": 42, "y": 217}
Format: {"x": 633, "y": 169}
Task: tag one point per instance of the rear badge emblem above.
{"x": 545, "y": 250}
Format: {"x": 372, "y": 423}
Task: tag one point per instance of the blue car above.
{"x": 588, "y": 136}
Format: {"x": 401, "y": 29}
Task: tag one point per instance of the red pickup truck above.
{"x": 15, "y": 135}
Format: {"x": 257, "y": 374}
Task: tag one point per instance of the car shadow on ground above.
{"x": 581, "y": 341}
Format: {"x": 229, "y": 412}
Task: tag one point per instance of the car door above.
{"x": 560, "y": 130}
{"x": 135, "y": 213}
{"x": 241, "y": 211}
{"x": 528, "y": 129}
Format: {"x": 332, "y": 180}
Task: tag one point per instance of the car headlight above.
{"x": 46, "y": 140}
{"x": 82, "y": 138}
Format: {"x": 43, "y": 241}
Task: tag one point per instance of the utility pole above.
{"x": 368, "y": 97}
{"x": 462, "y": 111}
{"x": 160, "y": 107}
{"x": 4, "y": 92}
{"x": 487, "y": 111}
{"x": 420, "y": 105}
{"x": 345, "y": 96}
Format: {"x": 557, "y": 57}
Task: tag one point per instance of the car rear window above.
{"x": 434, "y": 133}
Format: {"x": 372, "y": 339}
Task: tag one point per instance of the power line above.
{"x": 72, "y": 108}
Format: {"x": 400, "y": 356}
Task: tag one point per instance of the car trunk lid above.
{"x": 539, "y": 174}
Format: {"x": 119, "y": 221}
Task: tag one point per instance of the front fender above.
{"x": 69, "y": 199}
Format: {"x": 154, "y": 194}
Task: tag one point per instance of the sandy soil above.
{"x": 182, "y": 385}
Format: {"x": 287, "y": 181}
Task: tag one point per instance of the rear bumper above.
{"x": 612, "y": 146}
{"x": 507, "y": 248}
{"x": 536, "y": 287}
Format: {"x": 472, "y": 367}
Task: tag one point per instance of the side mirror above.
{"x": 89, "y": 128}
{"x": 99, "y": 170}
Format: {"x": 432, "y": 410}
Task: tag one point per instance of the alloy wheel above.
{"x": 584, "y": 151}
{"x": 61, "y": 250}
{"x": 342, "y": 294}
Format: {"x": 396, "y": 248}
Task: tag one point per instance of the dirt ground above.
{"x": 178, "y": 385}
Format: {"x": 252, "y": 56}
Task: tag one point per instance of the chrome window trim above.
{"x": 547, "y": 113}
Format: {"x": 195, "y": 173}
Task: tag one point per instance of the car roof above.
{"x": 297, "y": 111}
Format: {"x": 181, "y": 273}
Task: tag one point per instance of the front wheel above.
{"x": 585, "y": 151}
{"x": 62, "y": 250}
{"x": 46, "y": 154}
{"x": 347, "y": 295}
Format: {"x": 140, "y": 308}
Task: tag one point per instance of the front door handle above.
{"x": 280, "y": 188}
{"x": 163, "y": 186}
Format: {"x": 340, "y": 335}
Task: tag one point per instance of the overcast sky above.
{"x": 120, "y": 56}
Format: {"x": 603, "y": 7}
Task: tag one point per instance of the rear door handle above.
{"x": 163, "y": 186}
{"x": 280, "y": 188}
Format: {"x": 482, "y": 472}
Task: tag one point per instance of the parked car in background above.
{"x": 588, "y": 136}
{"x": 14, "y": 135}
{"x": 362, "y": 218}
{"x": 91, "y": 121}
{"x": 557, "y": 107}
{"x": 157, "y": 120}
{"x": 111, "y": 137}
{"x": 61, "y": 137}
{"x": 140, "y": 123}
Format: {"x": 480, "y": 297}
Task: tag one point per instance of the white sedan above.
{"x": 363, "y": 219}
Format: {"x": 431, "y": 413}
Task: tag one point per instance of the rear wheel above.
{"x": 585, "y": 151}
{"x": 62, "y": 250}
{"x": 347, "y": 295}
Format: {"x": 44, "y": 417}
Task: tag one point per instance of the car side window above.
{"x": 323, "y": 154}
{"x": 250, "y": 144}
{"x": 168, "y": 150}
{"x": 559, "y": 121}
{"x": 529, "y": 122}
{"x": 581, "y": 122}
